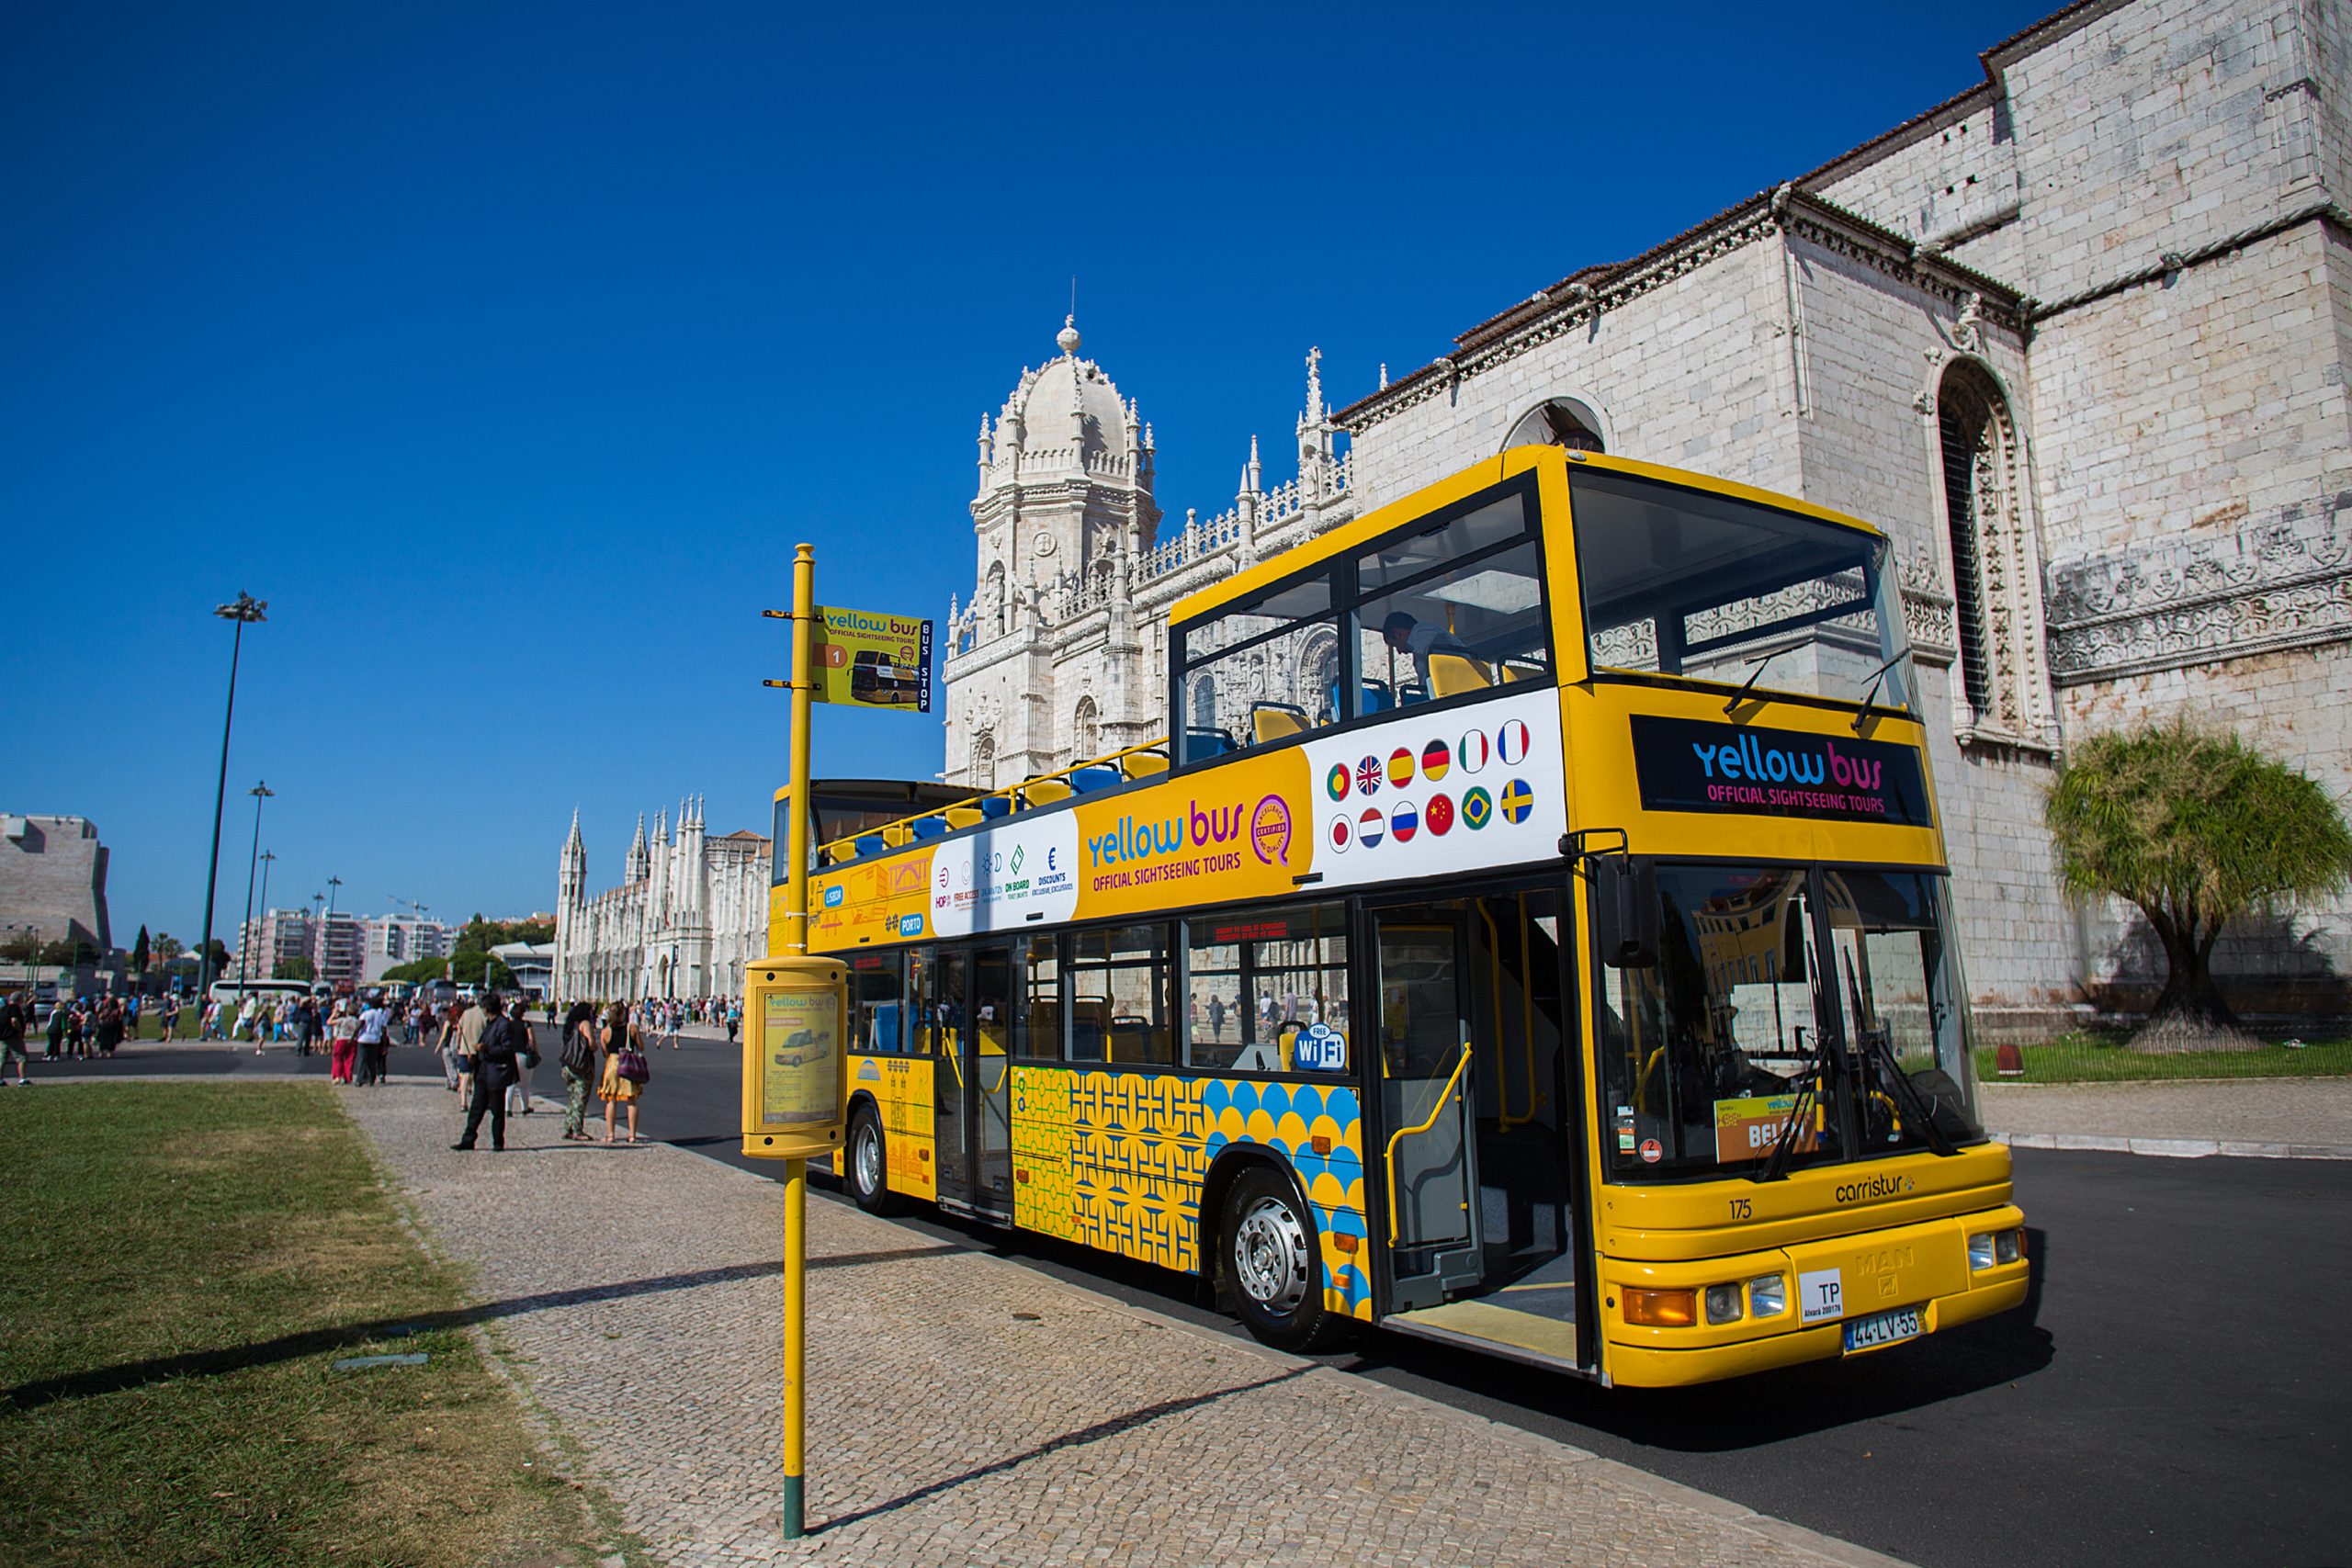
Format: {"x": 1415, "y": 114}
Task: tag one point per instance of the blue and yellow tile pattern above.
{"x": 1116, "y": 1159}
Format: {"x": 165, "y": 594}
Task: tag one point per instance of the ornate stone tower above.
{"x": 570, "y": 903}
{"x": 1063, "y": 512}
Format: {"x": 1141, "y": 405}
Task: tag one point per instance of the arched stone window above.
{"x": 992, "y": 604}
{"x": 1085, "y": 731}
{"x": 1557, "y": 422}
{"x": 1998, "y": 692}
{"x": 1200, "y": 706}
{"x": 1319, "y": 676}
{"x": 984, "y": 762}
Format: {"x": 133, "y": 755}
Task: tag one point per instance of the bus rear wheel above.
{"x": 866, "y": 1166}
{"x": 1274, "y": 1265}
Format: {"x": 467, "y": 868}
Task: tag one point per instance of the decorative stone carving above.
{"x": 2286, "y": 583}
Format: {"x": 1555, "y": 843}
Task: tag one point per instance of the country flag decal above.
{"x": 1440, "y": 815}
{"x": 1477, "y": 806}
{"x": 1436, "y": 758}
{"x": 1371, "y": 828}
{"x": 1510, "y": 741}
{"x": 1368, "y": 776}
{"x": 1400, "y": 767}
{"x": 1336, "y": 783}
{"x": 1404, "y": 821}
{"x": 1473, "y": 753}
{"x": 1342, "y": 831}
{"x": 1517, "y": 801}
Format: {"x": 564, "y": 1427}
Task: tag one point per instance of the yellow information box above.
{"x": 794, "y": 1031}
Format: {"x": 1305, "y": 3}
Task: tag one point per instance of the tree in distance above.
{"x": 168, "y": 947}
{"x": 139, "y": 953}
{"x": 466, "y": 967}
{"x": 2194, "y": 829}
{"x": 295, "y": 968}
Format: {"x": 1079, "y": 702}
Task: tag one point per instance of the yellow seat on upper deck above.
{"x": 963, "y": 816}
{"x": 1143, "y": 764}
{"x": 1044, "y": 792}
{"x": 1450, "y": 674}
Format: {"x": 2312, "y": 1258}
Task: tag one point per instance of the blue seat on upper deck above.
{"x": 930, "y": 826}
{"x": 870, "y": 844}
{"x": 1101, "y": 775}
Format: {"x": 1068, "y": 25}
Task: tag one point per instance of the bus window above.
{"x": 1263, "y": 670}
{"x": 1255, "y": 982}
{"x": 1679, "y": 582}
{"x": 1119, "y": 996}
{"x": 917, "y": 1027}
{"x": 1039, "y": 984}
{"x": 1454, "y": 608}
{"x": 877, "y": 1011}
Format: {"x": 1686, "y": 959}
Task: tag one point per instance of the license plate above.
{"x": 1883, "y": 1328}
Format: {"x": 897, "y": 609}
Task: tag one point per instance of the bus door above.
{"x": 1425, "y": 1145}
{"x": 945, "y": 1011}
{"x": 970, "y": 1078}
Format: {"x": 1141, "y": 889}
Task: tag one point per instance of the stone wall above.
{"x": 53, "y": 876}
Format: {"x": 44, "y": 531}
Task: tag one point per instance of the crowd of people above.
{"x": 486, "y": 1044}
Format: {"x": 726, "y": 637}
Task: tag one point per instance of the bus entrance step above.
{"x": 1524, "y": 1335}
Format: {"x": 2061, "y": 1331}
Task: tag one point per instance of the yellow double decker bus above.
{"x": 1532, "y": 934}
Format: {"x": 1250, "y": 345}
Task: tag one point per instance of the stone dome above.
{"x": 1046, "y": 396}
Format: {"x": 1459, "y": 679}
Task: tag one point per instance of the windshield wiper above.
{"x": 1741, "y": 695}
{"x": 1878, "y": 678}
{"x": 1775, "y": 1162}
{"x": 1914, "y": 1104}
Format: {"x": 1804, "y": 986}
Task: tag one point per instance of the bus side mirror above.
{"x": 1624, "y": 908}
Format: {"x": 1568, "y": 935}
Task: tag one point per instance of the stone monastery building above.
{"x": 691, "y": 911}
{"x": 2077, "y": 337}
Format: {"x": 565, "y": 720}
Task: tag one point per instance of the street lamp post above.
{"x": 244, "y": 611}
{"x": 260, "y": 792}
{"x": 265, "y": 857}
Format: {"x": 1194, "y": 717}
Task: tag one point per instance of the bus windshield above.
{"x": 1683, "y": 583}
{"x": 1764, "y": 977}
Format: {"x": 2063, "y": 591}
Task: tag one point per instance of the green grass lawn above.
{"x": 2098, "y": 1058}
{"x": 179, "y": 1267}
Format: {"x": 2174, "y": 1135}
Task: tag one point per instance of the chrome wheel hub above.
{"x": 1270, "y": 1256}
{"x": 868, "y": 1156}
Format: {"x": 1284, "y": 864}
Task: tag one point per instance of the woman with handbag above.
{"x": 624, "y": 1068}
{"x": 579, "y": 1062}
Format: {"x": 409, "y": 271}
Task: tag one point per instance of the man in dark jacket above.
{"x": 493, "y": 1074}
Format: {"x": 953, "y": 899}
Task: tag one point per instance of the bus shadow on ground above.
{"x": 1752, "y": 1412}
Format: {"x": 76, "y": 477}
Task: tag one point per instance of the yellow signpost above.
{"x": 796, "y": 1027}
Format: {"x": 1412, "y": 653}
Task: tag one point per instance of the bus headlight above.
{"x": 1768, "y": 1295}
{"x": 1722, "y": 1303}
{"x": 1661, "y": 1309}
{"x": 1986, "y": 1248}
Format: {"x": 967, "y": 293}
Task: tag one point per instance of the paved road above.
{"x": 2176, "y": 1392}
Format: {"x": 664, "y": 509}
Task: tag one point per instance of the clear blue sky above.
{"x": 508, "y": 350}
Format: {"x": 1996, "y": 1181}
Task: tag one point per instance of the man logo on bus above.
{"x": 1270, "y": 830}
{"x": 1371, "y": 828}
{"x": 1435, "y": 759}
{"x": 1400, "y": 767}
{"x": 1476, "y": 807}
{"x": 1472, "y": 752}
{"x": 1368, "y": 776}
{"x": 1341, "y": 834}
{"x": 1404, "y": 821}
{"x": 1438, "y": 813}
{"x": 1517, "y": 801}
{"x": 1336, "y": 785}
{"x": 1510, "y": 743}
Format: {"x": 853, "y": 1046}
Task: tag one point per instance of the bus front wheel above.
{"x": 1274, "y": 1265}
{"x": 868, "y": 1170}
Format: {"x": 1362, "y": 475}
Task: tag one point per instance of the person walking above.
{"x": 526, "y": 1056}
{"x": 108, "y": 1031}
{"x": 375, "y": 1030}
{"x": 343, "y": 1037}
{"x": 16, "y": 1016}
{"x": 494, "y": 1075}
{"x": 578, "y": 1059}
{"x": 169, "y": 1015}
{"x": 621, "y": 1039}
{"x": 56, "y": 1032}
{"x": 734, "y": 1020}
{"x": 473, "y": 1024}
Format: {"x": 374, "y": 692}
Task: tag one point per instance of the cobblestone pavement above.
{"x": 2275, "y": 1116}
{"x": 965, "y": 1410}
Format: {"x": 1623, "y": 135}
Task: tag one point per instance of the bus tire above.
{"x": 865, "y": 1165}
{"x": 1274, "y": 1265}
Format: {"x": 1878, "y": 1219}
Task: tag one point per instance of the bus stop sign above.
{"x": 794, "y": 1032}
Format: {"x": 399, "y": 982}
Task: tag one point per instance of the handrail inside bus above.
{"x": 835, "y": 851}
{"x": 1389, "y": 1158}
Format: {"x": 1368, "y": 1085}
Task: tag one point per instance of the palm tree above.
{"x": 2194, "y": 829}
